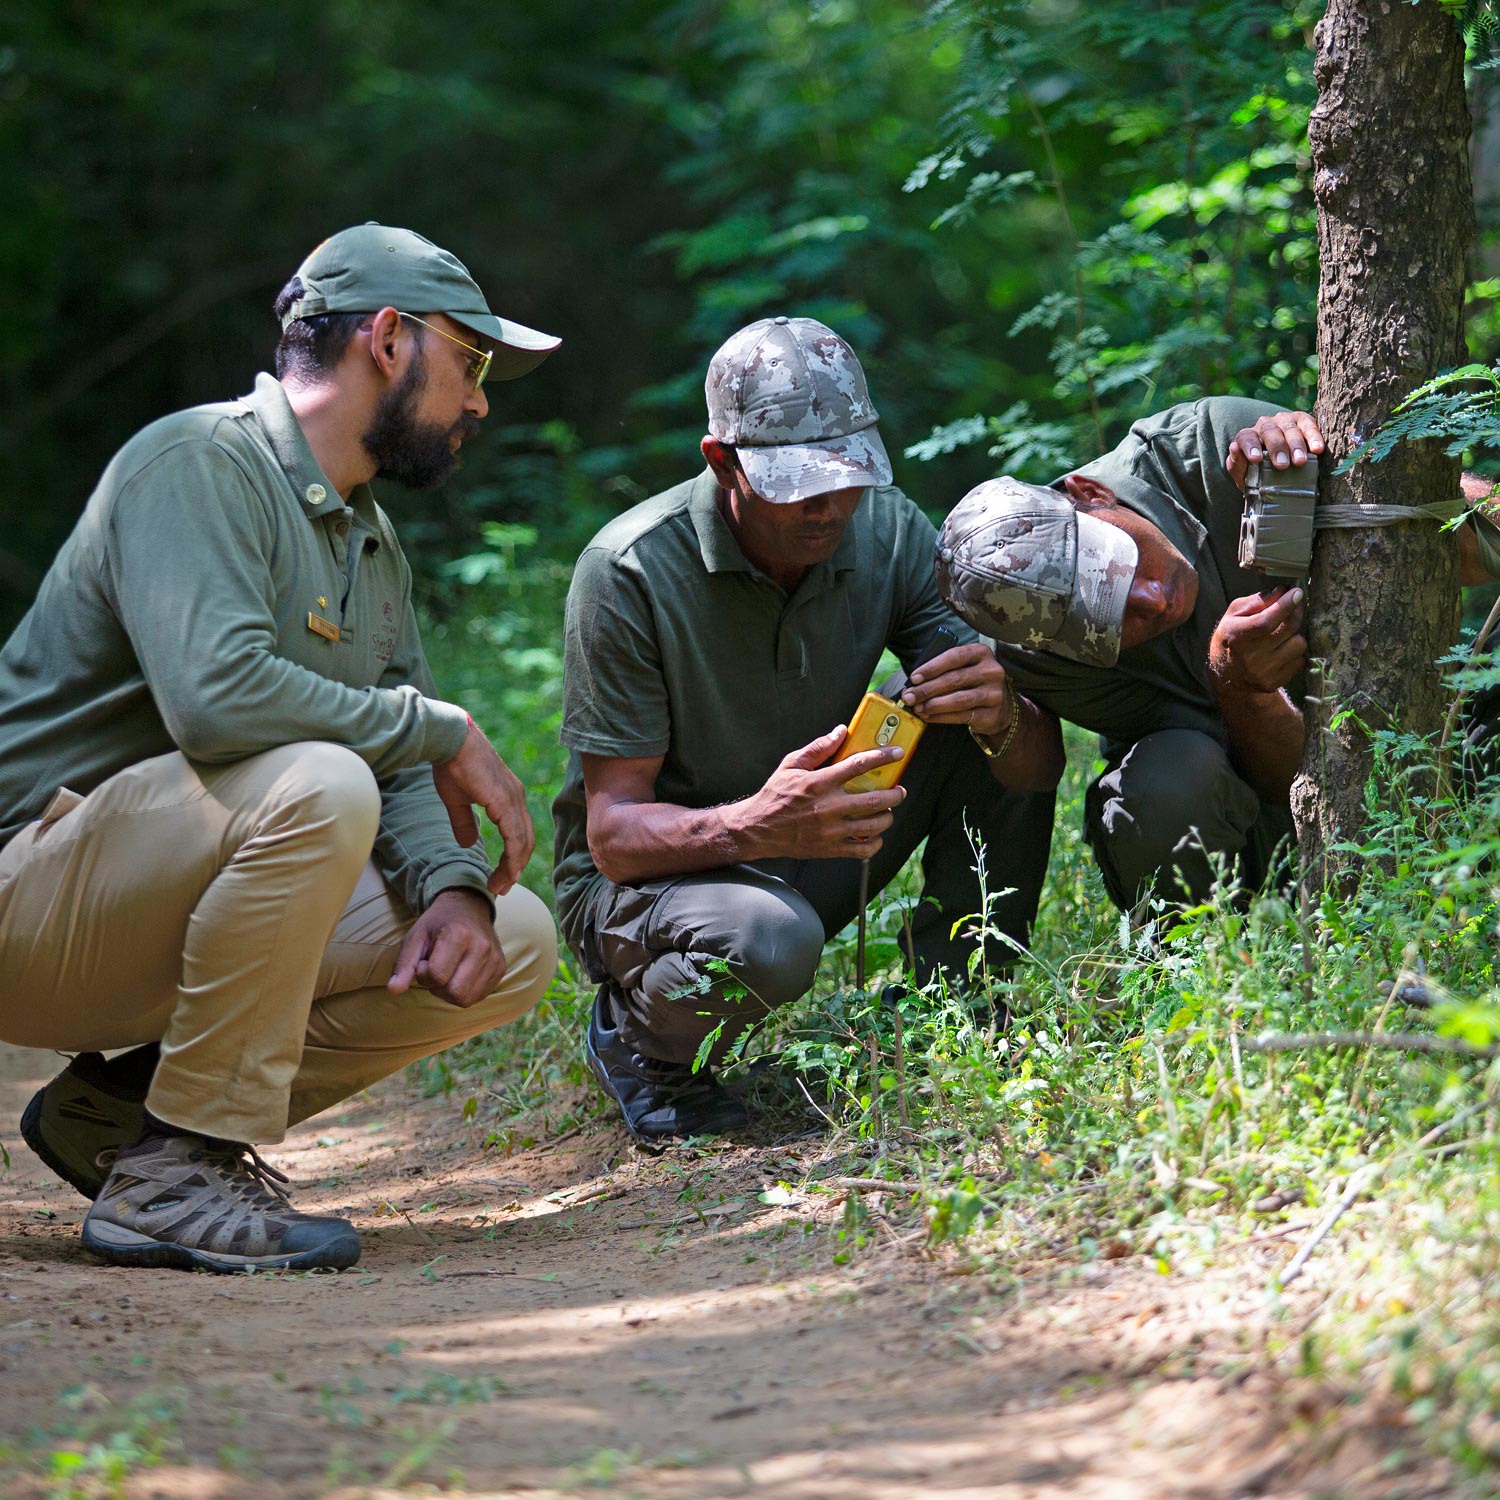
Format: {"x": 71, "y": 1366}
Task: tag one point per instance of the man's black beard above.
{"x": 417, "y": 454}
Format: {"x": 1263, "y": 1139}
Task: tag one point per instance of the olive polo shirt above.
{"x": 218, "y": 597}
{"x": 677, "y": 645}
{"x": 1169, "y": 469}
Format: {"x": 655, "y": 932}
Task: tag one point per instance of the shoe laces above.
{"x": 251, "y": 1176}
{"x": 253, "y": 1179}
{"x": 677, "y": 1080}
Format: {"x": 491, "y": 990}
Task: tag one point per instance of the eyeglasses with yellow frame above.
{"x": 477, "y": 367}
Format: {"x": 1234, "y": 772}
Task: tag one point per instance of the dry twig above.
{"x": 870, "y": 1185}
{"x": 1335, "y": 1041}
{"x": 1361, "y": 1178}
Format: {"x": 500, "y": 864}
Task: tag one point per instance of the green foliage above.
{"x": 1020, "y": 443}
{"x": 1462, "y": 407}
{"x": 1479, "y": 20}
{"x": 1120, "y": 194}
{"x": 754, "y": 161}
{"x": 1182, "y": 257}
{"x": 95, "y": 1448}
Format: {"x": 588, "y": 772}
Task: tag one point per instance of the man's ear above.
{"x": 1089, "y": 494}
{"x": 720, "y": 459}
{"x": 387, "y": 333}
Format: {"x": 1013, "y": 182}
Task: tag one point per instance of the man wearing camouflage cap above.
{"x": 1116, "y": 599}
{"x": 236, "y": 822}
{"x": 719, "y": 637}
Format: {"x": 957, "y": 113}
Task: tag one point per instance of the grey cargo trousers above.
{"x": 661, "y": 945}
{"x": 1171, "y": 808}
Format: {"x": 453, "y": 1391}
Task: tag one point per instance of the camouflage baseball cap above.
{"x": 1019, "y": 563}
{"x": 373, "y": 266}
{"x": 791, "y": 397}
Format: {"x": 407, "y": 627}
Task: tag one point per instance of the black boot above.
{"x": 658, "y": 1099}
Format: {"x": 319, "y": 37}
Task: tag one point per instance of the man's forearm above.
{"x": 415, "y": 849}
{"x": 635, "y": 841}
{"x": 1034, "y": 759}
{"x": 1266, "y": 735}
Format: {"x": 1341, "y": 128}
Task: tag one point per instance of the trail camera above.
{"x": 1276, "y": 529}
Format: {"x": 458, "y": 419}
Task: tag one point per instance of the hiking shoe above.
{"x": 80, "y": 1114}
{"x": 658, "y": 1099}
{"x": 197, "y": 1204}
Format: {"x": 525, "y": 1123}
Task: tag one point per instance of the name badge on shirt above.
{"x": 325, "y": 628}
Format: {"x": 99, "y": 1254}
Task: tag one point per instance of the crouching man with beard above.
{"x": 236, "y": 822}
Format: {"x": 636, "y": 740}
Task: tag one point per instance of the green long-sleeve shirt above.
{"x": 217, "y": 597}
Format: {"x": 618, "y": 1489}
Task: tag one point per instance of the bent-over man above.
{"x": 1186, "y": 664}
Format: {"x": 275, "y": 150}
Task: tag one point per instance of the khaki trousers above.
{"x": 231, "y": 913}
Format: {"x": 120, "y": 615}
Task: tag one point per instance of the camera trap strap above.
{"x": 1282, "y": 513}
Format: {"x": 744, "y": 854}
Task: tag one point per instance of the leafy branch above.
{"x": 1461, "y": 406}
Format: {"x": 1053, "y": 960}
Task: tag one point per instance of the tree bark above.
{"x": 1395, "y": 217}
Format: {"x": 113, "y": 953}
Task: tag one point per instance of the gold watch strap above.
{"x": 1010, "y": 733}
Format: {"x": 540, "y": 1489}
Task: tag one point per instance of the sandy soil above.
{"x": 580, "y": 1318}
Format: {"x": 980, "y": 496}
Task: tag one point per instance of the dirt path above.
{"x": 580, "y": 1318}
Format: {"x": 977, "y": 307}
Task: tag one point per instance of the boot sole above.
{"x": 36, "y": 1142}
{"x": 125, "y": 1247}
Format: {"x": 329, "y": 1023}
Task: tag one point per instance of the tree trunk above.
{"x": 1395, "y": 217}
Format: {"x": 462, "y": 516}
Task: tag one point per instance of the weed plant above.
{"x": 94, "y": 1448}
{"x": 1134, "y": 1104}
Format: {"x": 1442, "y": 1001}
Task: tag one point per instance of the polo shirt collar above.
{"x": 314, "y": 490}
{"x": 721, "y": 552}
{"x": 1178, "y": 524}
{"x": 716, "y": 543}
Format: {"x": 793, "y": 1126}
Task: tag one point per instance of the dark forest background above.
{"x": 1034, "y": 222}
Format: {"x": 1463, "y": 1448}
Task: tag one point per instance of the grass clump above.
{"x": 1136, "y": 1103}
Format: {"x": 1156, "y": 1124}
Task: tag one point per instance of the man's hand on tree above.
{"x": 477, "y": 775}
{"x": 965, "y": 685}
{"x": 1258, "y": 645}
{"x": 452, "y": 951}
{"x": 805, "y": 813}
{"x": 1285, "y": 439}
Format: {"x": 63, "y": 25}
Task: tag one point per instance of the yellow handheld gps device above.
{"x": 881, "y": 721}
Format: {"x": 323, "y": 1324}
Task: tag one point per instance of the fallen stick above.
{"x": 1389, "y": 1041}
{"x": 868, "y": 1184}
{"x": 567, "y": 1135}
{"x": 815, "y": 1104}
{"x": 1356, "y": 1186}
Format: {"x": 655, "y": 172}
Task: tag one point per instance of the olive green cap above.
{"x": 374, "y": 265}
